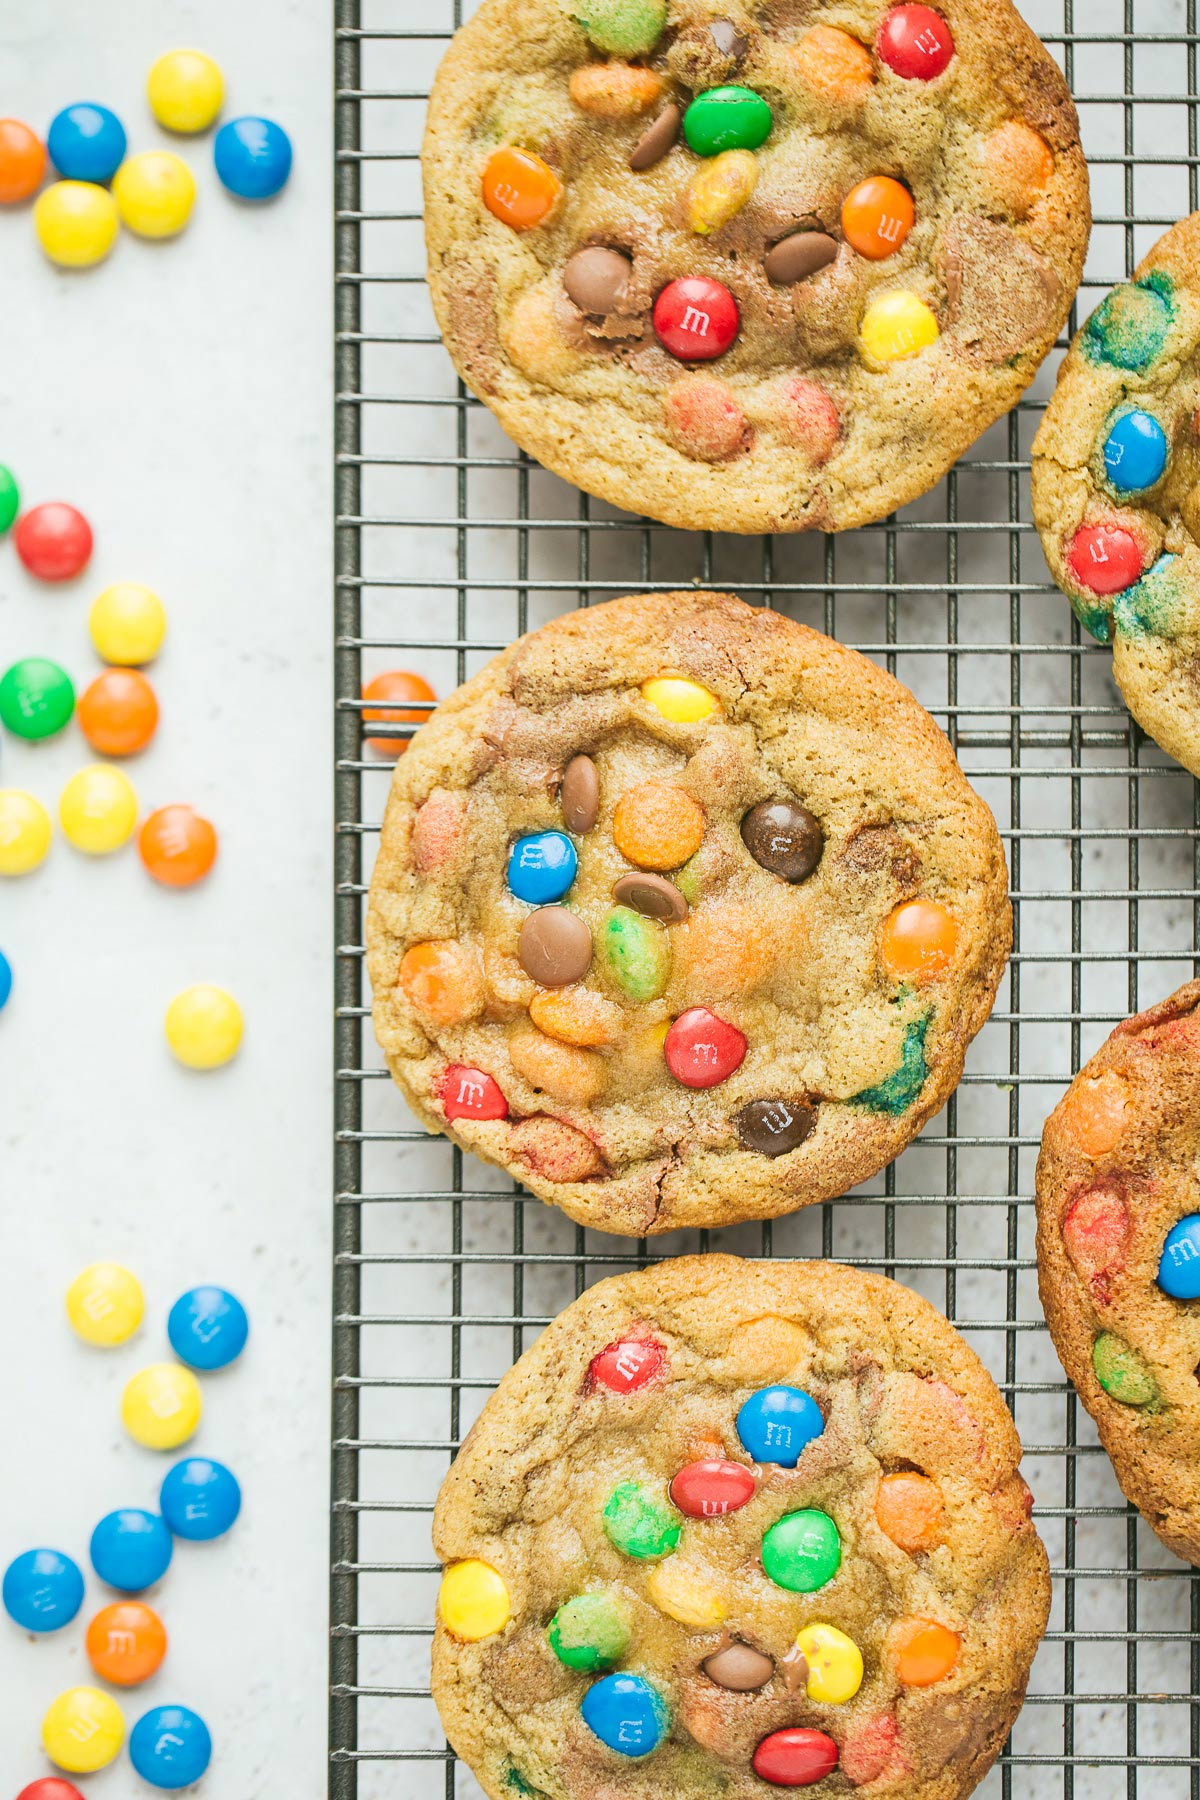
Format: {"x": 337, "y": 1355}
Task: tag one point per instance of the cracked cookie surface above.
{"x": 683, "y": 914}
{"x": 729, "y": 1523}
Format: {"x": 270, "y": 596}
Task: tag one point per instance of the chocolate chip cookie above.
{"x": 1116, "y": 487}
{"x": 756, "y": 266}
{"x": 1118, "y": 1246}
{"x": 730, "y": 1526}
{"x": 683, "y": 914}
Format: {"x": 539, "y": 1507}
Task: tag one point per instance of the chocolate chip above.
{"x": 740, "y": 1668}
{"x": 653, "y": 144}
{"x": 795, "y": 1670}
{"x": 597, "y": 279}
{"x": 797, "y": 257}
{"x": 555, "y": 947}
{"x": 579, "y": 795}
{"x": 653, "y": 895}
{"x": 773, "y": 1127}
{"x": 784, "y": 837}
{"x": 728, "y": 39}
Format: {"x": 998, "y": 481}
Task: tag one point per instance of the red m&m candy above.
{"x": 915, "y": 42}
{"x": 53, "y": 540}
{"x": 1105, "y": 559}
{"x": 471, "y": 1094}
{"x": 796, "y": 1757}
{"x": 707, "y": 1490}
{"x": 627, "y": 1364}
{"x": 50, "y": 1787}
{"x": 702, "y": 1050}
{"x": 696, "y": 318}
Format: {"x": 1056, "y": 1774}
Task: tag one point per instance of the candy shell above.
{"x": 161, "y": 1406}
{"x": 627, "y": 1714}
{"x": 784, "y": 838}
{"x": 541, "y": 867}
{"x": 1121, "y": 1372}
{"x": 877, "y": 217}
{"x": 709, "y": 1490}
{"x": 1095, "y": 1234}
{"x": 22, "y": 161}
{"x": 1135, "y": 452}
{"x": 1018, "y": 164}
{"x": 924, "y": 1652}
{"x": 442, "y": 979}
{"x": 719, "y": 190}
{"x": 676, "y": 698}
{"x": 155, "y": 192}
{"x": 126, "y": 1643}
{"x": 776, "y": 1424}
{"x": 684, "y": 1596}
{"x": 127, "y": 623}
{"x": 185, "y": 89}
{"x": 627, "y": 1365}
{"x": 909, "y": 1510}
{"x": 590, "y": 1632}
{"x": 471, "y": 1094}
{"x": 396, "y": 684}
{"x": 473, "y": 1600}
{"x": 105, "y": 1304}
{"x": 253, "y": 157}
{"x": 118, "y": 712}
{"x": 637, "y": 953}
{"x": 131, "y": 1549}
{"x": 10, "y": 493}
{"x": 696, "y": 318}
{"x": 177, "y": 846}
{"x": 802, "y": 1551}
{"x": 25, "y": 831}
{"x": 704, "y": 420}
{"x": 920, "y": 941}
{"x": 1105, "y": 558}
{"x": 701, "y": 1050}
{"x": 613, "y": 90}
{"x": 1096, "y": 1112}
{"x": 1179, "y": 1264}
{"x": 6, "y": 980}
{"x": 519, "y": 188}
{"x": 170, "y": 1747}
{"x": 797, "y": 1756}
{"x": 53, "y": 540}
{"x": 915, "y": 42}
{"x": 50, "y": 1787}
{"x": 207, "y": 1328}
{"x": 98, "y": 809}
{"x": 36, "y": 697}
{"x": 200, "y": 1499}
{"x": 834, "y": 65}
{"x": 622, "y": 27}
{"x": 639, "y": 1523}
{"x": 42, "y": 1590}
{"x": 576, "y": 1016}
{"x": 658, "y": 826}
{"x": 76, "y": 223}
{"x": 86, "y": 142}
{"x": 203, "y": 1026}
{"x": 726, "y": 118}
{"x": 835, "y": 1664}
{"x": 895, "y": 325}
{"x": 83, "y": 1730}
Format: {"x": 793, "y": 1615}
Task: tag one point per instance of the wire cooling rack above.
{"x": 450, "y": 543}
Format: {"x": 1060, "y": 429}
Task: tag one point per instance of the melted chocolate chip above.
{"x": 740, "y": 1668}
{"x": 784, "y": 837}
{"x": 579, "y": 795}
{"x": 798, "y": 256}
{"x": 597, "y": 279}
{"x": 795, "y": 1670}
{"x": 653, "y": 144}
{"x": 728, "y": 39}
{"x": 773, "y": 1127}
{"x": 555, "y": 947}
{"x": 653, "y": 895}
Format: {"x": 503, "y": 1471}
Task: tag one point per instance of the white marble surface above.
{"x": 180, "y": 394}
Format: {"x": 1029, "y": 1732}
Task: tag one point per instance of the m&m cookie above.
{"x": 1116, "y": 487}
{"x": 683, "y": 914}
{"x": 644, "y": 1596}
{"x": 1118, "y": 1246}
{"x": 751, "y": 266}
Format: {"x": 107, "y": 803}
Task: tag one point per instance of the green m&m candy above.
{"x": 1121, "y": 1371}
{"x": 623, "y": 27}
{"x": 10, "y": 497}
{"x": 590, "y": 1632}
{"x": 36, "y": 697}
{"x": 638, "y": 1523}
{"x": 802, "y": 1551}
{"x": 726, "y": 118}
{"x": 636, "y": 952}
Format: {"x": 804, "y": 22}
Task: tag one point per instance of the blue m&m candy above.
{"x": 5, "y": 978}
{"x": 207, "y": 1327}
{"x": 1135, "y": 452}
{"x": 776, "y": 1423}
{"x": 1179, "y": 1265}
{"x": 627, "y": 1714}
{"x": 131, "y": 1549}
{"x": 43, "y": 1590}
{"x": 200, "y": 1499}
{"x": 170, "y": 1746}
{"x": 86, "y": 142}
{"x": 541, "y": 867}
{"x": 253, "y": 157}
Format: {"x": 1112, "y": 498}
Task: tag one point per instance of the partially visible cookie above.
{"x": 1116, "y": 487}
{"x": 731, "y": 1527}
{"x": 1118, "y": 1243}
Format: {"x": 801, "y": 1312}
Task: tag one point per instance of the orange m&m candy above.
{"x": 126, "y": 1643}
{"x": 909, "y": 1510}
{"x": 920, "y": 940}
{"x": 834, "y": 64}
{"x": 395, "y": 684}
{"x": 22, "y": 161}
{"x": 924, "y": 1651}
{"x": 1096, "y": 1112}
{"x": 519, "y": 188}
{"x": 177, "y": 846}
{"x": 657, "y": 826}
{"x": 1018, "y": 164}
{"x": 877, "y": 216}
{"x": 118, "y": 713}
{"x": 443, "y": 980}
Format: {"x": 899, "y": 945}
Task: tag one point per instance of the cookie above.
{"x": 754, "y": 266}
{"x": 1118, "y": 1247}
{"x": 731, "y": 1526}
{"x": 1116, "y": 487}
{"x": 683, "y": 914}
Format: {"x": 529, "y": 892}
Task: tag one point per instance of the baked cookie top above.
{"x": 1116, "y": 487}
{"x": 764, "y": 266}
{"x": 683, "y": 914}
{"x": 1118, "y": 1244}
{"x": 731, "y": 1526}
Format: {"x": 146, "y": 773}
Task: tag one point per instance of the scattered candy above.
{"x": 590, "y": 1632}
{"x": 696, "y": 318}
{"x": 473, "y": 1600}
{"x": 802, "y": 1551}
{"x": 471, "y": 1094}
{"x": 519, "y": 188}
{"x": 86, "y": 142}
{"x": 36, "y": 697}
{"x": 657, "y": 825}
{"x": 161, "y": 1406}
{"x": 554, "y": 947}
{"x": 6, "y": 980}
{"x": 204, "y": 1026}
{"x": 739, "y": 1668}
{"x": 719, "y": 190}
{"x": 654, "y": 143}
{"x": 395, "y": 684}
{"x": 799, "y": 256}
{"x": 726, "y": 118}
{"x": 1135, "y": 452}
{"x": 25, "y": 832}
{"x": 614, "y": 90}
{"x": 702, "y": 1050}
{"x": 597, "y": 279}
{"x": 627, "y": 1714}
{"x": 22, "y": 161}
{"x": 443, "y": 980}
{"x": 627, "y": 1364}
{"x": 920, "y": 941}
{"x": 776, "y": 1423}
{"x": 623, "y": 27}
{"x": 1096, "y": 1112}
{"x": 105, "y": 1304}
{"x": 10, "y": 497}
{"x": 1105, "y": 559}
{"x": 783, "y": 837}
{"x": 50, "y": 1787}
{"x": 76, "y": 223}
{"x": 835, "y": 1664}
{"x": 909, "y": 1510}
{"x": 131, "y": 1549}
{"x": 638, "y": 1523}
{"x": 579, "y": 795}
{"x": 200, "y": 1499}
{"x": 709, "y": 1490}
{"x": 127, "y": 624}
{"x": 98, "y": 809}
{"x": 1121, "y": 1372}
{"x": 1179, "y": 1264}
{"x": 877, "y": 217}
{"x": 652, "y": 895}
{"x": 177, "y": 845}
{"x": 83, "y": 1730}
{"x": 42, "y": 1590}
{"x": 170, "y": 1747}
{"x": 897, "y": 324}
{"x": 541, "y": 867}
{"x": 126, "y": 1643}
{"x": 53, "y": 540}
{"x": 185, "y": 89}
{"x": 915, "y": 42}
{"x": 683, "y": 1596}
{"x": 774, "y": 1127}
{"x": 155, "y": 192}
{"x": 118, "y": 713}
{"x": 253, "y": 157}
{"x": 924, "y": 1652}
{"x": 207, "y": 1328}
{"x": 797, "y": 1756}
{"x": 834, "y": 65}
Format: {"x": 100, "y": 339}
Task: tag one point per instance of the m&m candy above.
{"x": 177, "y": 846}
{"x": 877, "y": 217}
{"x": 203, "y": 1026}
{"x": 118, "y": 712}
{"x": 696, "y": 318}
{"x": 6, "y": 980}
{"x": 1105, "y": 558}
{"x": 915, "y": 42}
{"x": 161, "y": 1406}
{"x": 627, "y": 1364}
{"x": 53, "y": 540}
{"x": 637, "y": 953}
{"x": 519, "y": 188}
{"x": 797, "y": 1756}
{"x": 471, "y": 1094}
{"x": 126, "y": 1643}
{"x": 155, "y": 192}
{"x": 776, "y": 1423}
{"x": 802, "y": 1551}
{"x": 834, "y": 65}
{"x": 105, "y": 1304}
{"x": 131, "y": 1549}
{"x": 83, "y": 1730}
{"x": 909, "y": 1510}
{"x": 42, "y": 1590}
{"x": 1179, "y": 1264}
{"x": 473, "y": 1600}
{"x": 835, "y": 1664}
{"x": 36, "y": 697}
{"x": 10, "y": 497}
{"x": 50, "y": 1787}
{"x": 622, "y": 27}
{"x": 185, "y": 89}
{"x": 542, "y": 866}
{"x": 683, "y": 1595}
{"x": 86, "y": 142}
{"x": 127, "y": 623}
{"x": 25, "y": 831}
{"x": 396, "y": 684}
{"x": 896, "y": 325}
{"x": 98, "y": 809}
{"x": 657, "y": 825}
{"x": 76, "y": 223}
{"x": 681, "y": 701}
{"x": 200, "y": 1499}
{"x": 253, "y": 157}
{"x": 1135, "y": 452}
{"x": 920, "y": 940}
{"x": 638, "y": 1522}
{"x": 702, "y": 1050}
{"x": 924, "y": 1652}
{"x": 170, "y": 1747}
{"x": 207, "y": 1328}
{"x": 709, "y": 1490}
{"x": 1121, "y": 1372}
{"x": 22, "y": 161}
{"x": 726, "y": 118}
{"x": 590, "y": 1632}
{"x": 627, "y": 1714}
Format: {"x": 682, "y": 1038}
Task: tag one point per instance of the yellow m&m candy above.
{"x": 98, "y": 809}
{"x": 83, "y": 1730}
{"x": 204, "y": 1026}
{"x": 684, "y": 1595}
{"x": 473, "y": 1600}
{"x": 76, "y": 223}
{"x": 185, "y": 89}
{"x": 161, "y": 1406}
{"x": 895, "y": 325}
{"x": 127, "y": 624}
{"x": 683, "y": 702}
{"x": 835, "y": 1664}
{"x": 154, "y": 192}
{"x": 105, "y": 1304}
{"x": 24, "y": 831}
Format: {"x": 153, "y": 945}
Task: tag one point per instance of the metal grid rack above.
{"x": 449, "y": 544}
